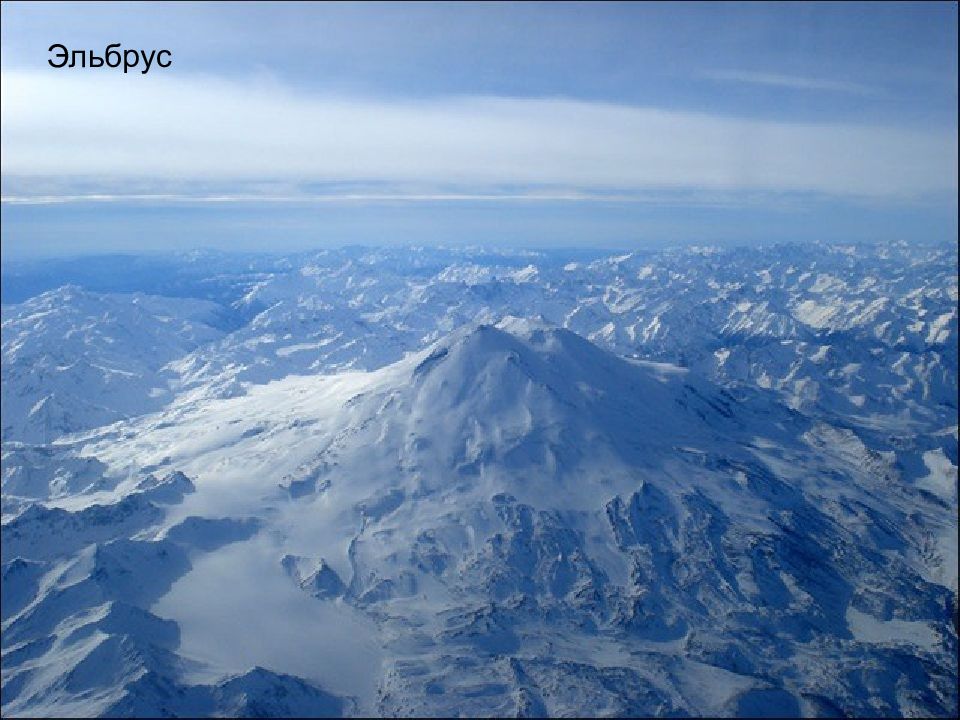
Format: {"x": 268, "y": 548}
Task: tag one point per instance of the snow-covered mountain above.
{"x": 691, "y": 483}
{"x": 73, "y": 360}
{"x": 854, "y": 331}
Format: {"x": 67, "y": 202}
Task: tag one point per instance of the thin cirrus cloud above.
{"x": 271, "y": 196}
{"x": 195, "y": 129}
{"x": 790, "y": 81}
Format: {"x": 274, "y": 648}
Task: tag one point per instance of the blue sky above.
{"x": 284, "y": 126}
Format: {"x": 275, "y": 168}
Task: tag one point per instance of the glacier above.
{"x": 438, "y": 482}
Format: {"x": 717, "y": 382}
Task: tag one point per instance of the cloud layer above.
{"x": 791, "y": 82}
{"x": 81, "y": 123}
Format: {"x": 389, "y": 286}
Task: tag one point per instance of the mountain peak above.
{"x": 536, "y": 342}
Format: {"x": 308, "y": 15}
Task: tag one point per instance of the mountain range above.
{"x": 442, "y": 482}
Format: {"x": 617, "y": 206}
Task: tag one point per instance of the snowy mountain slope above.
{"x": 511, "y": 520}
{"x": 854, "y": 333}
{"x": 74, "y": 360}
{"x": 847, "y": 331}
{"x": 78, "y": 637}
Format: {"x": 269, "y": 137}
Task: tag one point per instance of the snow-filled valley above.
{"x": 459, "y": 482}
